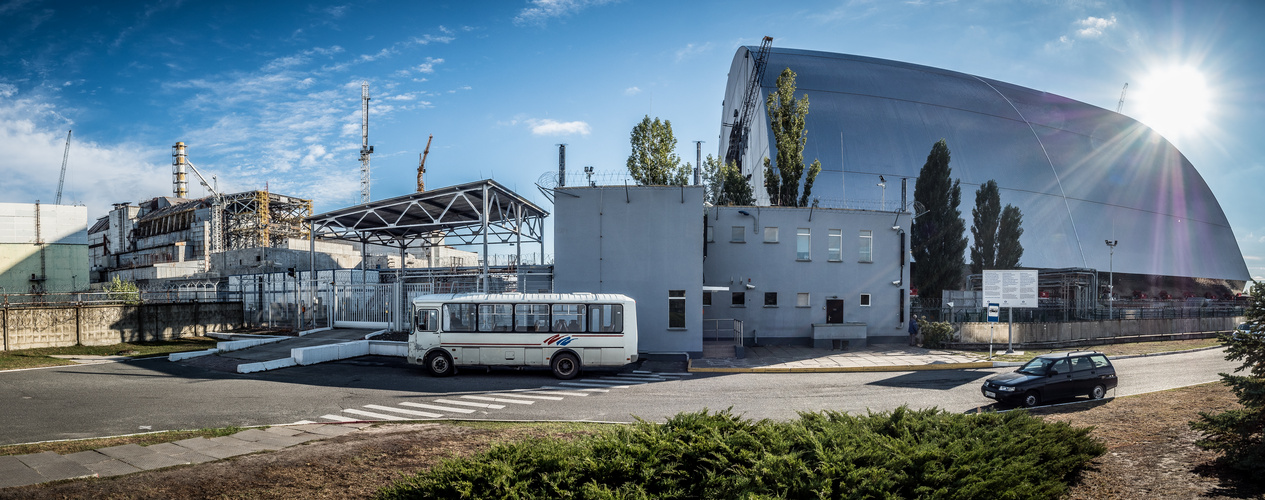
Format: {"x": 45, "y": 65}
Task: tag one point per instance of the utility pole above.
{"x": 365, "y": 148}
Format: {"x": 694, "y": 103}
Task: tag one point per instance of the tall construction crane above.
{"x": 1120, "y": 105}
{"x": 421, "y": 165}
{"x": 365, "y": 148}
{"x": 65, "y": 156}
{"x": 742, "y": 116}
{"x": 217, "y": 213}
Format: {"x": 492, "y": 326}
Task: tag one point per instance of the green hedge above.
{"x": 901, "y": 454}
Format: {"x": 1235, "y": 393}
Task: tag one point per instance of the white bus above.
{"x": 563, "y": 331}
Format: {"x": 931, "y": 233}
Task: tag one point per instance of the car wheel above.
{"x": 1098, "y": 392}
{"x": 1031, "y": 399}
{"x": 565, "y": 366}
{"x": 439, "y": 364}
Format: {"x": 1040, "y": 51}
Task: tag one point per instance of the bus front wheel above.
{"x": 439, "y": 364}
{"x": 565, "y": 366}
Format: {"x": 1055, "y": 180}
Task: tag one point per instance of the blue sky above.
{"x": 269, "y": 92}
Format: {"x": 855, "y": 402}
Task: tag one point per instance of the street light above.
{"x": 1111, "y": 278}
{"x": 883, "y": 184}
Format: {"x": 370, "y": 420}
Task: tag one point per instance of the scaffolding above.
{"x": 255, "y": 219}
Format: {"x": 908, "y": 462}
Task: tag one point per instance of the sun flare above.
{"x": 1175, "y": 101}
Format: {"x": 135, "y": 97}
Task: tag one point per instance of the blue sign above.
{"x": 994, "y": 312}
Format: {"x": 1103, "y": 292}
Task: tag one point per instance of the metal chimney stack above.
{"x": 698, "y": 162}
{"x": 180, "y": 185}
{"x": 562, "y": 165}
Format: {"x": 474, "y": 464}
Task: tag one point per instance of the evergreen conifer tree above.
{"x": 1009, "y": 229}
{"x": 938, "y": 239}
{"x": 1239, "y": 433}
{"x": 984, "y": 219}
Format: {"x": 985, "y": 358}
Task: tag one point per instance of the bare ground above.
{"x": 1151, "y": 456}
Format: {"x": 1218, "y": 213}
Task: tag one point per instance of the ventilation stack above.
{"x": 180, "y": 184}
{"x": 562, "y": 165}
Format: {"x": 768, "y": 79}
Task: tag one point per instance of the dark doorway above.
{"x": 834, "y": 311}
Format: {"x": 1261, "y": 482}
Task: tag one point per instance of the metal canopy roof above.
{"x": 476, "y": 212}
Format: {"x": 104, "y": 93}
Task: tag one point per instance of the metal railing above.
{"x": 723, "y": 329}
{"x": 1056, "y": 312}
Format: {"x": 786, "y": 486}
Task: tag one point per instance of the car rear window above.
{"x": 1099, "y": 360}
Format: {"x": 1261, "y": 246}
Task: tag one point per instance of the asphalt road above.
{"x": 122, "y": 398}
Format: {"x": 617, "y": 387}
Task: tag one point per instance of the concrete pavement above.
{"x": 875, "y": 358}
{"x": 35, "y": 468}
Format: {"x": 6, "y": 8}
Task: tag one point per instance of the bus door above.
{"x": 425, "y": 328}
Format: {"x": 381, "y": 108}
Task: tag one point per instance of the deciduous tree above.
{"x": 786, "y": 117}
{"x": 736, "y": 188}
{"x": 984, "y": 219}
{"x": 1009, "y": 250}
{"x": 654, "y": 161}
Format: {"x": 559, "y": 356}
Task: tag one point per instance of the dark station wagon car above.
{"x": 1054, "y": 376}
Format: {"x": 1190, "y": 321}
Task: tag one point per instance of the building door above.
{"x": 834, "y": 311}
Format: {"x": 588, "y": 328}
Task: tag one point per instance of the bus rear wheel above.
{"x": 565, "y": 366}
{"x": 439, "y": 364}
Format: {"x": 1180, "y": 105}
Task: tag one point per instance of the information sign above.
{"x": 994, "y": 312}
{"x": 1011, "y": 288}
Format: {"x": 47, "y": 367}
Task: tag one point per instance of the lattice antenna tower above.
{"x": 365, "y": 148}
{"x": 1120, "y": 105}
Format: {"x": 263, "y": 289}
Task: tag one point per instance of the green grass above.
{"x": 78, "y": 445}
{"x": 898, "y": 454}
{"x": 34, "y": 358}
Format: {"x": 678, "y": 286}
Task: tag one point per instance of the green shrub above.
{"x": 935, "y": 334}
{"x": 900, "y": 454}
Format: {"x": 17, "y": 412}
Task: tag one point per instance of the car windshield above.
{"x": 1038, "y": 366}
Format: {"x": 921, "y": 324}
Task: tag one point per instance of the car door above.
{"x": 1059, "y": 382}
{"x": 1083, "y": 377}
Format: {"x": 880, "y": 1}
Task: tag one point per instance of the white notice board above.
{"x": 1011, "y": 288}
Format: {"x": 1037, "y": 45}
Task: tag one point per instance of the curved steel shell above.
{"x": 1079, "y": 173}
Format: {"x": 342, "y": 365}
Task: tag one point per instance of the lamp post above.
{"x": 1111, "y": 278}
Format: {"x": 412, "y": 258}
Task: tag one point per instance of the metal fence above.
{"x": 1057, "y": 312}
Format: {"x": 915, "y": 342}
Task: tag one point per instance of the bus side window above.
{"x": 427, "y": 320}
{"x": 606, "y": 318}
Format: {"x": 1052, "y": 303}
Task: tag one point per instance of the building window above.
{"x": 740, "y": 299}
{"x": 737, "y": 234}
{"x": 867, "y": 246}
{"x": 676, "y": 308}
{"x": 770, "y": 299}
{"x": 710, "y": 234}
{"x": 801, "y": 243}
{"x": 770, "y": 235}
{"x": 834, "y": 247}
{"x": 707, "y": 298}
{"x": 801, "y": 300}
{"x": 865, "y": 300}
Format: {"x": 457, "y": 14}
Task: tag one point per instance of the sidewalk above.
{"x": 35, "y": 468}
{"x": 875, "y": 358}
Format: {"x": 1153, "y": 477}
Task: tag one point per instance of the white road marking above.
{"x": 338, "y": 418}
{"x": 556, "y": 388}
{"x": 586, "y": 384}
{"x": 500, "y": 400}
{"x": 606, "y": 383}
{"x": 406, "y": 412}
{"x": 470, "y": 403}
{"x": 374, "y": 415}
{"x": 437, "y": 407}
{"x": 634, "y": 380}
{"x": 529, "y": 396}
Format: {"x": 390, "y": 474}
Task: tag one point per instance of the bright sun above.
{"x": 1175, "y": 101}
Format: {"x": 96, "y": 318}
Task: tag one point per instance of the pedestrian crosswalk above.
{"x": 468, "y": 404}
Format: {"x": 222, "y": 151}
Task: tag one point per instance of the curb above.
{"x": 689, "y": 367}
{"x": 1128, "y": 356}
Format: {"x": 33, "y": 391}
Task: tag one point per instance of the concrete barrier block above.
{"x": 353, "y": 349}
{"x": 388, "y": 348}
{"x": 177, "y": 356}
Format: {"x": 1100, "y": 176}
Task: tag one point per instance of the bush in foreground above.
{"x": 901, "y": 454}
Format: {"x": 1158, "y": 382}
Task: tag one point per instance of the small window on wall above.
{"x": 770, "y": 235}
{"x": 739, "y": 299}
{"x": 801, "y": 243}
{"x": 801, "y": 300}
{"x": 865, "y": 300}
{"x": 737, "y": 234}
{"x": 707, "y": 298}
{"x": 867, "y": 246}
{"x": 676, "y": 308}
{"x": 770, "y": 299}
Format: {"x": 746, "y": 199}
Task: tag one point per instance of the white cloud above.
{"x": 428, "y": 66}
{"x": 7, "y": 90}
{"x": 632, "y": 91}
{"x": 541, "y": 11}
{"x": 553, "y": 127}
{"x": 692, "y": 50}
{"x": 315, "y": 153}
{"x": 1093, "y": 27}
